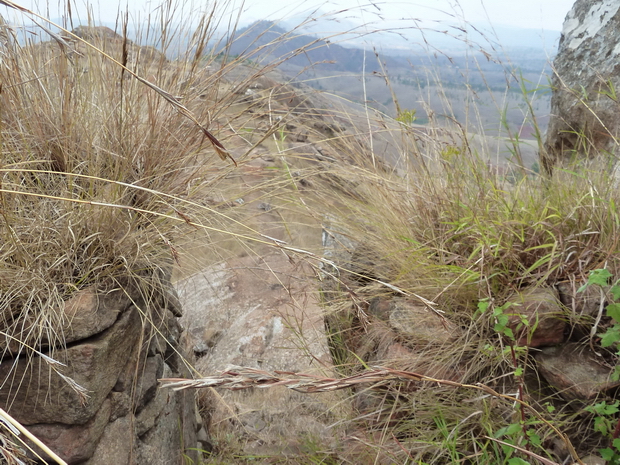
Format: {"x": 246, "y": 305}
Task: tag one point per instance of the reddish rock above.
{"x": 87, "y": 313}
{"x": 73, "y": 443}
{"x": 573, "y": 371}
{"x": 543, "y": 313}
{"x": 34, "y": 393}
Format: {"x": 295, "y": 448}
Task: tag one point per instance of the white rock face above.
{"x": 586, "y": 87}
{"x": 261, "y": 312}
{"x": 579, "y": 27}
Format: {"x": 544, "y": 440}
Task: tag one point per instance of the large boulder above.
{"x": 584, "y": 104}
{"x": 261, "y": 312}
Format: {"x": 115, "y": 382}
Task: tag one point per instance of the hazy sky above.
{"x": 535, "y": 14}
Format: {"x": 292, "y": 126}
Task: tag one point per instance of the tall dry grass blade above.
{"x": 543, "y": 460}
{"x": 217, "y": 145}
{"x": 236, "y": 378}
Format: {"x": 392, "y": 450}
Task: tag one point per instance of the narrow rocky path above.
{"x": 260, "y": 309}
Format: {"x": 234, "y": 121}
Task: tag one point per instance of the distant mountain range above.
{"x": 442, "y": 74}
{"x": 445, "y": 37}
{"x": 311, "y": 56}
{"x": 435, "y": 80}
{"x": 267, "y": 42}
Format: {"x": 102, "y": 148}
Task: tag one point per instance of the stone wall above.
{"x": 118, "y": 341}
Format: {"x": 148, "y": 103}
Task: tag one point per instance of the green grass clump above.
{"x": 450, "y": 230}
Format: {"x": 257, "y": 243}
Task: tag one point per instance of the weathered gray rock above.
{"x": 401, "y": 357}
{"x": 419, "y": 324}
{"x": 585, "y": 303}
{"x": 116, "y": 445}
{"x": 415, "y": 323}
{"x": 35, "y": 393}
{"x": 147, "y": 418}
{"x": 256, "y": 320}
{"x": 544, "y": 315}
{"x": 87, "y": 313}
{"x": 74, "y": 443}
{"x": 573, "y": 371}
{"x": 301, "y": 136}
{"x": 584, "y": 107}
{"x": 172, "y": 435}
{"x": 203, "y": 339}
{"x": 593, "y": 460}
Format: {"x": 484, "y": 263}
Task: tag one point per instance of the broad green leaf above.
{"x": 613, "y": 310}
{"x": 600, "y": 425}
{"x": 534, "y": 438}
{"x": 502, "y": 320}
{"x": 611, "y": 409}
{"x": 517, "y": 461}
{"x": 600, "y": 277}
{"x": 508, "y": 430}
{"x": 482, "y": 308}
{"x": 607, "y": 454}
{"x": 610, "y": 337}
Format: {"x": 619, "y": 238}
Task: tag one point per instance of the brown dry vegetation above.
{"x": 104, "y": 177}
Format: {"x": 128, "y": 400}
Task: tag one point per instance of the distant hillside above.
{"x": 265, "y": 42}
{"x": 473, "y": 88}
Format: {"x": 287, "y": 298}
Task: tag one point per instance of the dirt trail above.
{"x": 259, "y": 309}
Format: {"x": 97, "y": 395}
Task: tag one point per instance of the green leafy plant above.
{"x": 406, "y": 116}
{"x": 280, "y": 137}
{"x": 611, "y": 337}
{"x": 605, "y": 421}
{"x": 520, "y": 432}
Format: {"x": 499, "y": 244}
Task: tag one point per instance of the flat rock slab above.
{"x": 572, "y": 370}
{"x": 264, "y": 312}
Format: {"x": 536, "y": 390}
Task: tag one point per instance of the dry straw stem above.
{"x": 16, "y": 428}
{"x": 236, "y": 378}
